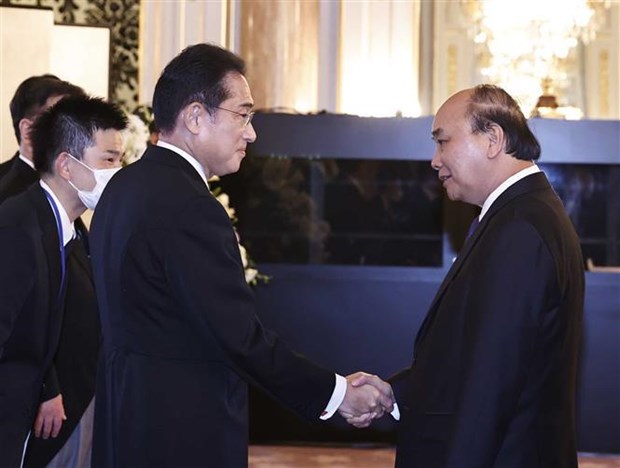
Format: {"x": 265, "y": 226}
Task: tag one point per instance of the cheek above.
{"x": 85, "y": 180}
{"x": 462, "y": 163}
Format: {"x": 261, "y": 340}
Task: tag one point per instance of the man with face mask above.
{"x": 49, "y": 330}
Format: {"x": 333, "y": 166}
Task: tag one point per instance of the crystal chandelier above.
{"x": 525, "y": 46}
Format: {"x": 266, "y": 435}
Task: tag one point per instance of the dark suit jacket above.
{"x": 30, "y": 313}
{"x": 74, "y": 367}
{"x": 75, "y": 360}
{"x": 493, "y": 379}
{"x": 19, "y": 177}
{"x": 6, "y": 165}
{"x": 180, "y": 335}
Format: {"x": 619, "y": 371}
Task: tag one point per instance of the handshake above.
{"x": 367, "y": 398}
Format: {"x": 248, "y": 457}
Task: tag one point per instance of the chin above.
{"x": 230, "y": 170}
{"x": 453, "y": 196}
{"x": 238, "y": 165}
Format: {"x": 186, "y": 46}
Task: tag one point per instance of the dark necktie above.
{"x": 472, "y": 227}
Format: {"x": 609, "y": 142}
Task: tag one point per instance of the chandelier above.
{"x": 526, "y": 46}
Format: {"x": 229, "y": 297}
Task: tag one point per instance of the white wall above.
{"x": 81, "y": 55}
{"x": 30, "y": 44}
{"x": 25, "y": 35}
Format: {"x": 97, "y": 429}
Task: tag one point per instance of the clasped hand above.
{"x": 50, "y": 418}
{"x": 367, "y": 398}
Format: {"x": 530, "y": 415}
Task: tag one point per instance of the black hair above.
{"x": 491, "y": 104}
{"x": 32, "y": 94}
{"x": 197, "y": 74}
{"x": 70, "y": 126}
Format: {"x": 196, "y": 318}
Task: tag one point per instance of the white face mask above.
{"x": 102, "y": 177}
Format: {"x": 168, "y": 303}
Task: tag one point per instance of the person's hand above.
{"x": 367, "y": 398}
{"x": 49, "y": 418}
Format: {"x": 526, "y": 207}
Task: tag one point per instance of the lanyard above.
{"x": 63, "y": 261}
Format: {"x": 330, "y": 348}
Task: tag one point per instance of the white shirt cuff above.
{"x": 396, "y": 412}
{"x": 340, "y": 389}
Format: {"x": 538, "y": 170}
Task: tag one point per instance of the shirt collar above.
{"x": 68, "y": 229}
{"x": 513, "y": 179}
{"x": 185, "y": 155}
{"x": 26, "y": 160}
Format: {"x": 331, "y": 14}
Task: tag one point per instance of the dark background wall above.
{"x": 366, "y": 317}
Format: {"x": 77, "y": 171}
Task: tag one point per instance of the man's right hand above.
{"x": 367, "y": 398}
{"x": 49, "y": 418}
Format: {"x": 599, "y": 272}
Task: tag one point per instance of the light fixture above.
{"x": 526, "y": 46}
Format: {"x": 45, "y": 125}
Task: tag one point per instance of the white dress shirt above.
{"x": 513, "y": 179}
{"x": 68, "y": 228}
{"x": 185, "y": 155}
{"x": 26, "y": 160}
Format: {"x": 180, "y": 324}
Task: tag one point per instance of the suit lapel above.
{"x": 537, "y": 181}
{"x": 82, "y": 233}
{"x": 49, "y": 238}
{"x": 454, "y": 269}
{"x": 78, "y": 252}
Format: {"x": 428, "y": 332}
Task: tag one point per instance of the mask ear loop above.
{"x": 62, "y": 165}
{"x": 76, "y": 159}
{"x": 92, "y": 171}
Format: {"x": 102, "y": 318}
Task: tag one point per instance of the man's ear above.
{"x": 24, "y": 129}
{"x": 497, "y": 140}
{"x": 193, "y": 117}
{"x": 61, "y": 166}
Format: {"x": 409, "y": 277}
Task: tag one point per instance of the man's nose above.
{"x": 249, "y": 134}
{"x": 436, "y": 162}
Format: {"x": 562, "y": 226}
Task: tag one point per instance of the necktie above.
{"x": 472, "y": 227}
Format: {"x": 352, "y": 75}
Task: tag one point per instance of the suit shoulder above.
{"x": 542, "y": 209}
{"x": 539, "y": 220}
{"x": 17, "y": 210}
{"x": 156, "y": 196}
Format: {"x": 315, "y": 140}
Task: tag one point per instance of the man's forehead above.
{"x": 442, "y": 118}
{"x": 238, "y": 88}
{"x": 452, "y": 111}
{"x": 455, "y": 105}
{"x": 107, "y": 136}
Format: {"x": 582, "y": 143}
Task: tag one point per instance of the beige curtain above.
{"x": 279, "y": 42}
{"x": 167, "y": 27}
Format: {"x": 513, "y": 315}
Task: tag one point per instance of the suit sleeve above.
{"x": 400, "y": 384}
{"x": 17, "y": 274}
{"x": 205, "y": 270}
{"x": 51, "y": 385}
{"x": 509, "y": 315}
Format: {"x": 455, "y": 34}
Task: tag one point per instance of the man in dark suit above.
{"x": 33, "y": 97}
{"x": 180, "y": 334}
{"x": 44, "y": 274}
{"x": 6, "y": 165}
{"x": 493, "y": 378}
